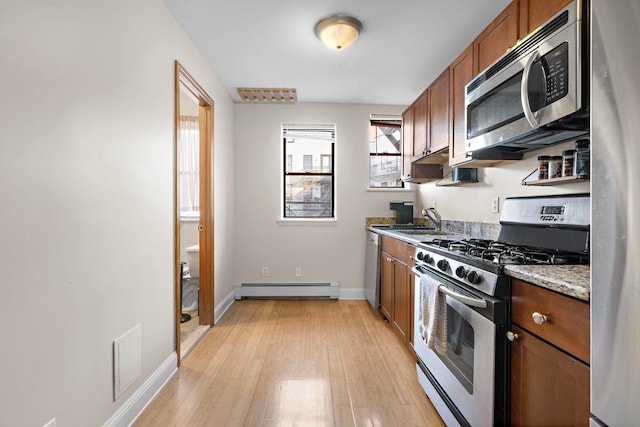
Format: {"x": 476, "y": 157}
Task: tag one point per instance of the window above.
{"x": 308, "y": 171}
{"x": 385, "y": 152}
{"x": 188, "y": 165}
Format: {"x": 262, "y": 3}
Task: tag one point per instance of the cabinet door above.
{"x": 534, "y": 13}
{"x": 497, "y": 38}
{"x": 439, "y": 114}
{"x": 386, "y": 285}
{"x": 407, "y": 141}
{"x": 461, "y": 73}
{"x": 548, "y": 387}
{"x": 401, "y": 297}
{"x": 420, "y": 125}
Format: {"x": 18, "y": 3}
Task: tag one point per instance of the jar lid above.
{"x": 582, "y": 144}
{"x": 544, "y": 157}
{"x": 568, "y": 152}
{"x": 556, "y": 157}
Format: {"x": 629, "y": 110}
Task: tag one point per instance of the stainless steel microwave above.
{"x": 535, "y": 95}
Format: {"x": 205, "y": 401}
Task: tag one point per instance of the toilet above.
{"x": 193, "y": 259}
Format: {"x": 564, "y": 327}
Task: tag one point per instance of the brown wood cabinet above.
{"x": 461, "y": 73}
{"x": 414, "y": 172}
{"x": 396, "y": 303}
{"x": 534, "y": 13}
{"x": 549, "y": 356}
{"x": 431, "y": 122}
{"x": 498, "y": 37}
{"x": 420, "y": 125}
{"x": 407, "y": 142}
{"x": 439, "y": 114}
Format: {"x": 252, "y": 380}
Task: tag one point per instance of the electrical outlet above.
{"x": 265, "y": 271}
{"x": 51, "y": 423}
{"x": 495, "y": 205}
{"x": 298, "y": 271}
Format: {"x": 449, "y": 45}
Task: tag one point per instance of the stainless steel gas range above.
{"x": 462, "y": 303}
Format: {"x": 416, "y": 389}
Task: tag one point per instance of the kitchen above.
{"x": 245, "y": 212}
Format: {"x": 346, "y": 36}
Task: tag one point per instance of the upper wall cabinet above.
{"x": 534, "y": 13}
{"x": 431, "y": 123}
{"x": 500, "y": 36}
{"x": 420, "y": 125}
{"x": 439, "y": 114}
{"x": 461, "y": 72}
{"x": 411, "y": 171}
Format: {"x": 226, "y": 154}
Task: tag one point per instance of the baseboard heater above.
{"x": 323, "y": 290}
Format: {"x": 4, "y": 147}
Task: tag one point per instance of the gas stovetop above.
{"x": 491, "y": 252}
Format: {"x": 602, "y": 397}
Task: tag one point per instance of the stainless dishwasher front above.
{"x": 372, "y": 269}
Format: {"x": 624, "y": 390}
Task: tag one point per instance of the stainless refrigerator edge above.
{"x": 615, "y": 214}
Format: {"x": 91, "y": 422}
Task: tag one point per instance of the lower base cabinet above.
{"x": 396, "y": 286}
{"x": 550, "y": 336}
{"x": 548, "y": 387}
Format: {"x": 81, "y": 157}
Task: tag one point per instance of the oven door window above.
{"x": 458, "y": 357}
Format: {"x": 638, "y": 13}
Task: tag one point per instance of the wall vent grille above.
{"x": 269, "y": 95}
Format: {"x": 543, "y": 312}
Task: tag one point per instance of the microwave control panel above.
{"x": 556, "y": 70}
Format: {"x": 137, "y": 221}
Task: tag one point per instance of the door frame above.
{"x": 206, "y": 222}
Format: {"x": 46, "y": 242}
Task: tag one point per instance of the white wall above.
{"x": 472, "y": 202}
{"x": 86, "y": 189}
{"x": 323, "y": 252}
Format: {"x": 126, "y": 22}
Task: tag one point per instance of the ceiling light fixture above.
{"x": 338, "y": 32}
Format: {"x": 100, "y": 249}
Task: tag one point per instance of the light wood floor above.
{"x": 295, "y": 363}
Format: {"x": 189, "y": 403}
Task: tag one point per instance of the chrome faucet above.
{"x": 434, "y": 217}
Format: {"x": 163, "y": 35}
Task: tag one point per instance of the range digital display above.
{"x": 552, "y": 210}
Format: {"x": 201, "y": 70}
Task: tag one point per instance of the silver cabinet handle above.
{"x": 538, "y": 318}
{"x": 512, "y": 337}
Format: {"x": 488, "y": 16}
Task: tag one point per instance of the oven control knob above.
{"x": 474, "y": 278}
{"x": 461, "y": 272}
{"x": 420, "y": 256}
{"x": 443, "y": 265}
{"x": 428, "y": 259}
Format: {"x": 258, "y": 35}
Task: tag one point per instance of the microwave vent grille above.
{"x": 535, "y": 38}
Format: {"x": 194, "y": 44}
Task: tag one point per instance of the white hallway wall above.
{"x": 86, "y": 189}
{"x": 334, "y": 253}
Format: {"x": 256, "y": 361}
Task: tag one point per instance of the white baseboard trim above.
{"x": 351, "y": 293}
{"x": 222, "y": 308}
{"x": 133, "y": 407}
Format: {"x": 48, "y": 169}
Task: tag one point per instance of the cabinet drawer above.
{"x": 398, "y": 249}
{"x": 567, "y": 319}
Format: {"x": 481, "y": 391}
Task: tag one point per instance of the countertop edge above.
{"x": 569, "y": 280}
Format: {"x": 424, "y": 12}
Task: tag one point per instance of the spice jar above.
{"x": 581, "y": 162}
{"x": 543, "y": 167}
{"x": 555, "y": 167}
{"x": 567, "y": 162}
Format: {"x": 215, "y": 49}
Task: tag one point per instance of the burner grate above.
{"x": 500, "y": 253}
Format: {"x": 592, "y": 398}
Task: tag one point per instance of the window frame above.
{"x": 329, "y": 128}
{"x": 390, "y": 120}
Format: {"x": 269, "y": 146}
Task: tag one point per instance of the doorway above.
{"x": 193, "y": 186}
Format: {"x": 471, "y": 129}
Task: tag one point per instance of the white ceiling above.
{"x": 404, "y": 46}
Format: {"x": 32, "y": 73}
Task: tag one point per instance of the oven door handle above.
{"x": 472, "y": 302}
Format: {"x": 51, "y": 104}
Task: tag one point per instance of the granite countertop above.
{"x": 571, "y": 280}
{"x": 414, "y": 238}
